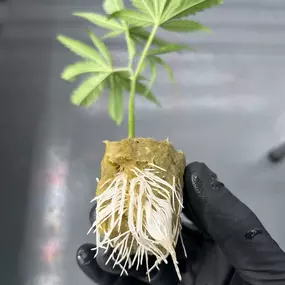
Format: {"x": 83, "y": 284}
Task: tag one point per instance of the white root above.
{"x": 147, "y": 203}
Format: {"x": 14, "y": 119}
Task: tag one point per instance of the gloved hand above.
{"x": 230, "y": 246}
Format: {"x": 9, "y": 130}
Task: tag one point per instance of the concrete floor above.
{"x": 227, "y": 109}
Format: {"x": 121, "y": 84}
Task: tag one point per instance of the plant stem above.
{"x": 134, "y": 82}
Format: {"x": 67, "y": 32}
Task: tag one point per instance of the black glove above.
{"x": 230, "y": 247}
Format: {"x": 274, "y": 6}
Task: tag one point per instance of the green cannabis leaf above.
{"x": 133, "y": 18}
{"x": 147, "y": 7}
{"x": 183, "y": 8}
{"x": 112, "y": 6}
{"x": 159, "y": 61}
{"x": 94, "y": 95}
{"x": 71, "y": 72}
{"x": 101, "y": 47}
{"x": 141, "y": 35}
{"x": 139, "y": 26}
{"x": 112, "y": 34}
{"x": 168, "y": 48}
{"x": 101, "y": 21}
{"x": 153, "y": 69}
{"x": 87, "y": 87}
{"x": 82, "y": 49}
{"x": 116, "y": 99}
{"x": 141, "y": 88}
{"x": 199, "y": 7}
{"x": 184, "y": 26}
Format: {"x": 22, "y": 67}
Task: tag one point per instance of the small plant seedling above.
{"x": 139, "y": 194}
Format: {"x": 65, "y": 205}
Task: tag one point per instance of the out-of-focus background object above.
{"x": 227, "y": 109}
{"x": 277, "y": 154}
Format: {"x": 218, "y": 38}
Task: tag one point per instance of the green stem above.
{"x": 132, "y": 109}
{"x": 134, "y": 82}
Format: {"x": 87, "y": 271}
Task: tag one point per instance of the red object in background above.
{"x": 51, "y": 251}
{"x": 57, "y": 176}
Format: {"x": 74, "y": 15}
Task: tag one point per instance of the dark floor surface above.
{"x": 227, "y": 110}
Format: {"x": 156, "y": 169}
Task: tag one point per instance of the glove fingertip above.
{"x": 88, "y": 264}
{"x": 196, "y": 166}
{"x": 92, "y": 214}
{"x": 84, "y": 254}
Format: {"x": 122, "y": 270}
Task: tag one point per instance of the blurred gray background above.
{"x": 227, "y": 109}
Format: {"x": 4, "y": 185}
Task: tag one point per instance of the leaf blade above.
{"x": 199, "y": 7}
{"x": 112, "y": 34}
{"x": 185, "y": 8}
{"x": 94, "y": 96}
{"x": 85, "y": 89}
{"x": 131, "y": 47}
{"x": 169, "y": 10}
{"x": 146, "y": 7}
{"x": 111, "y": 6}
{"x": 101, "y": 47}
{"x": 80, "y": 48}
{"x": 116, "y": 100}
{"x": 100, "y": 20}
{"x": 168, "y": 48}
{"x": 160, "y": 6}
{"x": 141, "y": 89}
{"x": 133, "y": 18}
{"x": 166, "y": 66}
{"x": 184, "y": 26}
{"x": 142, "y": 34}
{"x": 79, "y": 68}
{"x": 153, "y": 70}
